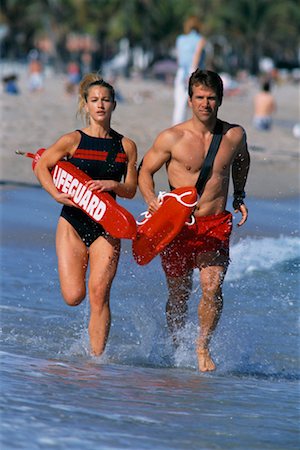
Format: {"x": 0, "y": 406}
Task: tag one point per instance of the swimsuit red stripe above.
{"x": 92, "y": 157}
{"x": 98, "y": 155}
{"x": 82, "y": 151}
{"x": 121, "y": 157}
{"x": 90, "y": 154}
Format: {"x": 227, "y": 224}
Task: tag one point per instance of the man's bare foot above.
{"x": 205, "y": 362}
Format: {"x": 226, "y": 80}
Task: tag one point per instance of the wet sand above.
{"x": 30, "y": 121}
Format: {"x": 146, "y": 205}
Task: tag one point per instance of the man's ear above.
{"x": 115, "y": 104}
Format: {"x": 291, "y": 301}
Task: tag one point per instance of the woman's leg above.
{"x": 104, "y": 257}
{"x": 72, "y": 257}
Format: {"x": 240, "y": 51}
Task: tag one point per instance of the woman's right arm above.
{"x": 197, "y": 55}
{"x": 64, "y": 146}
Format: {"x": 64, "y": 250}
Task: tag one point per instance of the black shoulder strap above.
{"x": 210, "y": 157}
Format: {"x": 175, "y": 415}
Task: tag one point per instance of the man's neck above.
{"x": 205, "y": 128}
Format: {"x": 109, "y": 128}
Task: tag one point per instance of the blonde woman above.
{"x": 109, "y": 158}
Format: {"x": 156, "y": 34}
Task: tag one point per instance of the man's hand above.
{"x": 242, "y": 208}
{"x": 153, "y": 205}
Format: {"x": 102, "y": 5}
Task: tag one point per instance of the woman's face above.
{"x": 99, "y": 103}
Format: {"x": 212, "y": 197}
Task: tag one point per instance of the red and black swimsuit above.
{"x": 100, "y": 159}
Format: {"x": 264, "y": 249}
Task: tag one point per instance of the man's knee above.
{"x": 180, "y": 287}
{"x": 212, "y": 300}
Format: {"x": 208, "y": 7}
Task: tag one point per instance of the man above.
{"x": 264, "y": 107}
{"x": 204, "y": 245}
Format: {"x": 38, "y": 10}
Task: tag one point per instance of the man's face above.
{"x": 204, "y": 103}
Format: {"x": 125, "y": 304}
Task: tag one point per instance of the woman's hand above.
{"x": 102, "y": 185}
{"x": 64, "y": 199}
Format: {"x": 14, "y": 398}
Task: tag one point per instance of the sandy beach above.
{"x": 30, "y": 121}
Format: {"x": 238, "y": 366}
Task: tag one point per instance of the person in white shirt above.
{"x": 190, "y": 51}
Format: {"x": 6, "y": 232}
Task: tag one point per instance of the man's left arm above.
{"x": 240, "y": 169}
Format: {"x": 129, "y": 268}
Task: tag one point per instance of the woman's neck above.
{"x": 97, "y": 131}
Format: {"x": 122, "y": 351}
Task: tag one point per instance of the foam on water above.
{"x": 262, "y": 254}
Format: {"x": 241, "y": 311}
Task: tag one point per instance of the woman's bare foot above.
{"x": 205, "y": 362}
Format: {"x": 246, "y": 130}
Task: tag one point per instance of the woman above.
{"x": 190, "y": 51}
{"x": 107, "y": 157}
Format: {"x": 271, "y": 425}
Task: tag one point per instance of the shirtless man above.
{"x": 264, "y": 107}
{"x": 204, "y": 245}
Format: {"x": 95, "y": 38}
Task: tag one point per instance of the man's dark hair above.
{"x": 209, "y": 79}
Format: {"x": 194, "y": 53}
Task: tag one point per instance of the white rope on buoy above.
{"x": 161, "y": 196}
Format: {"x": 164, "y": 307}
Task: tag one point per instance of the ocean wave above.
{"x": 254, "y": 254}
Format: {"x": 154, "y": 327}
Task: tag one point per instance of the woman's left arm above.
{"x": 126, "y": 189}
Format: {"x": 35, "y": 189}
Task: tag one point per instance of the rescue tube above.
{"x": 100, "y": 206}
{"x": 156, "y": 231}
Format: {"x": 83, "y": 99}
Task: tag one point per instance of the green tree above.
{"x": 248, "y": 29}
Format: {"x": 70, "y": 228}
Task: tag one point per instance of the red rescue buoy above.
{"x": 157, "y": 231}
{"x": 100, "y": 206}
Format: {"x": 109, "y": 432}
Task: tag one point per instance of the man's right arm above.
{"x": 153, "y": 160}
{"x": 240, "y": 170}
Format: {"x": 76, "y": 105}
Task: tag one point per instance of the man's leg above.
{"x": 176, "y": 309}
{"x": 209, "y": 312}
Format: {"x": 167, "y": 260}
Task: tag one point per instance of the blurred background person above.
{"x": 35, "y": 71}
{"x": 10, "y": 85}
{"x": 264, "y": 107}
{"x": 73, "y": 77}
{"x": 190, "y": 53}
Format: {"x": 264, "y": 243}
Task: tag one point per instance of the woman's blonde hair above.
{"x": 191, "y": 23}
{"x": 88, "y": 81}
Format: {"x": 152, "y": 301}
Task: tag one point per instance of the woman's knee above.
{"x": 73, "y": 297}
{"x": 99, "y": 293}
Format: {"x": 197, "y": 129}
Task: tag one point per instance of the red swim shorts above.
{"x": 208, "y": 234}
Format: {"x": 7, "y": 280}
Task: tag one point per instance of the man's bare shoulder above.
{"x": 172, "y": 136}
{"x": 234, "y": 132}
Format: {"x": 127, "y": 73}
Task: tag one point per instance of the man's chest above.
{"x": 191, "y": 157}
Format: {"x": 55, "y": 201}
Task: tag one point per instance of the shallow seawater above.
{"x": 142, "y": 394}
